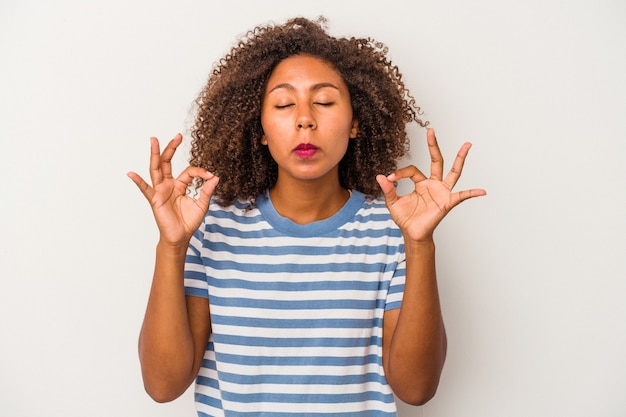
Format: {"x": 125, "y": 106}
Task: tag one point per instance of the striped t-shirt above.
{"x": 296, "y": 310}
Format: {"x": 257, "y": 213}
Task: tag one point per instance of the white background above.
{"x": 532, "y": 276}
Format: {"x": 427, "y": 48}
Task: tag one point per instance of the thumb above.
{"x": 143, "y": 186}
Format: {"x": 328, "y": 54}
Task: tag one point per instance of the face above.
{"x": 307, "y": 118}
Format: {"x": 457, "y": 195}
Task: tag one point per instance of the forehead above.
{"x": 303, "y": 69}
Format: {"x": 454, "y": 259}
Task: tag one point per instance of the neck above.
{"x": 308, "y": 202}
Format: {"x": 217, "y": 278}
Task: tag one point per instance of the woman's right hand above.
{"x": 177, "y": 215}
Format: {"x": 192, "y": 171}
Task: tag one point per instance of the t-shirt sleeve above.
{"x": 195, "y": 274}
{"x": 396, "y": 287}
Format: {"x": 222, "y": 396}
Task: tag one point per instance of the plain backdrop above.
{"x": 532, "y": 277}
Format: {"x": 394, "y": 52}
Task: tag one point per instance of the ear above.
{"x": 263, "y": 140}
{"x": 355, "y": 129}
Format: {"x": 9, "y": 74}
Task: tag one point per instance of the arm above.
{"x": 414, "y": 338}
{"x": 175, "y": 328}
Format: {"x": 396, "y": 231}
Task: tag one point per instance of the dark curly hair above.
{"x": 227, "y": 131}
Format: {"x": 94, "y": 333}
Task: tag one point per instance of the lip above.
{"x": 306, "y": 150}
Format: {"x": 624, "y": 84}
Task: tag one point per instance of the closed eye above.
{"x": 283, "y": 106}
{"x": 325, "y": 104}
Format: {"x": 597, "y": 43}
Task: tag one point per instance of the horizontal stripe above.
{"x": 245, "y": 370}
{"x": 258, "y": 234}
{"x": 316, "y": 399}
{"x": 309, "y": 413}
{"x": 323, "y": 304}
{"x": 294, "y": 267}
{"x": 303, "y": 294}
{"x": 226, "y": 247}
{"x": 297, "y": 379}
{"x": 286, "y": 342}
{"x": 308, "y": 335}
{"x": 295, "y": 323}
{"x": 285, "y": 286}
{"x": 297, "y": 361}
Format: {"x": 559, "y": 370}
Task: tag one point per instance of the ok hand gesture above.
{"x": 177, "y": 215}
{"x": 418, "y": 213}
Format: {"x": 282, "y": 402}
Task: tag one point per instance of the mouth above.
{"x": 305, "y": 150}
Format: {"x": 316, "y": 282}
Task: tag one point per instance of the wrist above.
{"x": 173, "y": 249}
{"x": 419, "y": 246}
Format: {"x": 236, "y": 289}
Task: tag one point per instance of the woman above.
{"x": 292, "y": 287}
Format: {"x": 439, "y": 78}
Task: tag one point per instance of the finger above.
{"x": 461, "y": 196}
{"x": 189, "y": 173}
{"x": 156, "y": 174}
{"x": 143, "y": 186}
{"x": 436, "y": 159}
{"x": 389, "y": 190}
{"x": 410, "y": 171}
{"x": 168, "y": 154}
{"x": 457, "y": 166}
{"x": 207, "y": 190}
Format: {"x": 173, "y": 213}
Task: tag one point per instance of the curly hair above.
{"x": 226, "y": 135}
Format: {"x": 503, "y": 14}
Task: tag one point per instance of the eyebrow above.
{"x": 315, "y": 87}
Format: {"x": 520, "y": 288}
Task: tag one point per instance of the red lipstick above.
{"x": 305, "y": 150}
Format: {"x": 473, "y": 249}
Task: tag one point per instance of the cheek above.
{"x": 342, "y": 129}
{"x": 266, "y": 121}
{"x": 272, "y": 126}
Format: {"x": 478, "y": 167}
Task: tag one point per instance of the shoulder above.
{"x": 235, "y": 215}
{"x": 372, "y": 219}
{"x": 239, "y": 207}
{"x": 373, "y": 210}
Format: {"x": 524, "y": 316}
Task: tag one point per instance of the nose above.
{"x": 305, "y": 119}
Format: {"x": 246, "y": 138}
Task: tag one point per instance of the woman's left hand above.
{"x": 418, "y": 213}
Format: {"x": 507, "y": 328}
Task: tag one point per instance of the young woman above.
{"x": 293, "y": 287}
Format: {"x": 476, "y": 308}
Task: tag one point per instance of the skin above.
{"x": 307, "y": 102}
{"x": 296, "y": 110}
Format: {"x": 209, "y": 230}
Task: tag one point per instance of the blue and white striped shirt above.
{"x": 296, "y": 310}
